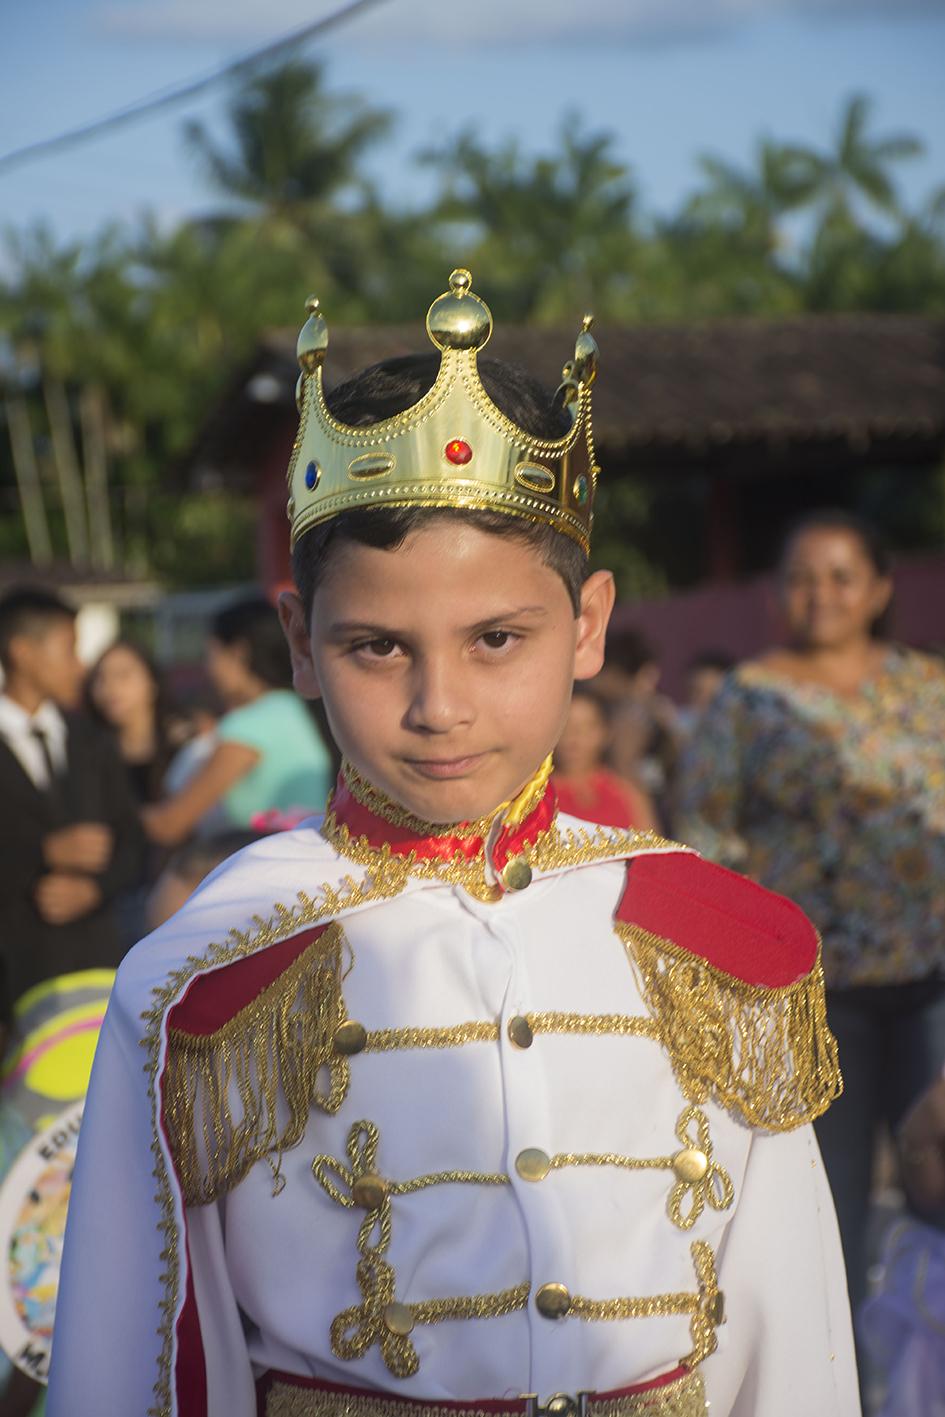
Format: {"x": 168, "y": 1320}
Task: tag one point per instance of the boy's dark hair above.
{"x": 389, "y": 388}
{"x": 25, "y": 610}
{"x": 253, "y": 622}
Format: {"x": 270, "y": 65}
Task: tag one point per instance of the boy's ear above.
{"x": 597, "y": 601}
{"x": 292, "y": 616}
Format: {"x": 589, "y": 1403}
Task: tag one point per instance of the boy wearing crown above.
{"x": 448, "y": 1103}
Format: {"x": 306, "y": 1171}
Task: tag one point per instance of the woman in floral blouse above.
{"x": 820, "y": 771}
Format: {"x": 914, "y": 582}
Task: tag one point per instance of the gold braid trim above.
{"x": 683, "y": 1397}
{"x": 280, "y": 1046}
{"x": 457, "y": 1035}
{"x": 625, "y": 1025}
{"x": 706, "y": 1307}
{"x": 382, "y": 1320}
{"x": 552, "y": 850}
{"x": 764, "y": 1053}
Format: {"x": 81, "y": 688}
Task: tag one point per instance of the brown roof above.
{"x": 674, "y": 390}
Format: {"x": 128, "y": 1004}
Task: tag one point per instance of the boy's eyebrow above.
{"x": 340, "y": 628}
{"x": 520, "y": 612}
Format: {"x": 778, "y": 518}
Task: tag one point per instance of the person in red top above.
{"x": 585, "y": 787}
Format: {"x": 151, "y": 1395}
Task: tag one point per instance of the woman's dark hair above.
{"x": 587, "y": 689}
{"x": 387, "y": 389}
{"x": 867, "y": 534}
{"x": 836, "y": 519}
{"x": 153, "y": 778}
{"x": 254, "y": 623}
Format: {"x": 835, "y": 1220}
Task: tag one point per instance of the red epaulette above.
{"x": 731, "y": 973}
{"x": 733, "y": 924}
{"x": 215, "y": 998}
{"x": 252, "y": 1047}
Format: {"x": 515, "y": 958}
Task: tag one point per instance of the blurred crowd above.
{"x": 105, "y": 778}
{"x": 817, "y": 768}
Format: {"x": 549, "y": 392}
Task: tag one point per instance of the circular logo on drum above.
{"x": 34, "y": 1199}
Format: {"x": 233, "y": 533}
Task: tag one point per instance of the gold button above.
{"x": 553, "y": 1301}
{"x": 532, "y": 1164}
{"x": 350, "y": 1037}
{"x": 369, "y": 1191}
{"x": 520, "y": 1031}
{"x": 517, "y": 874}
{"x": 690, "y": 1165}
{"x": 398, "y": 1319}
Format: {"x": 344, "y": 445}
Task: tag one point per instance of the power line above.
{"x": 166, "y": 98}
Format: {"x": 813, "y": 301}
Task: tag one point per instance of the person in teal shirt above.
{"x": 269, "y": 755}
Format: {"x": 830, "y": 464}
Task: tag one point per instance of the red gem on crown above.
{"x": 459, "y": 452}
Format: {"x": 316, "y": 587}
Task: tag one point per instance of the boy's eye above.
{"x": 496, "y": 639}
{"x": 379, "y": 649}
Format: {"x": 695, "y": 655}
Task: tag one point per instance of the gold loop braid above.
{"x": 713, "y": 1188}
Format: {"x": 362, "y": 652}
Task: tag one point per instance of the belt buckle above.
{"x": 562, "y": 1404}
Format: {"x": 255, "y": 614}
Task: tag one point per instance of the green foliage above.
{"x": 158, "y": 322}
{"x": 202, "y": 539}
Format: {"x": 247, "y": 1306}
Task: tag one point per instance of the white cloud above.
{"x": 251, "y": 22}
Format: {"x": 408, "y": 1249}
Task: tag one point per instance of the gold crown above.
{"x": 453, "y": 448}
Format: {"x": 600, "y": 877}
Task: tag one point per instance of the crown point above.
{"x": 460, "y": 281}
{"x": 313, "y": 338}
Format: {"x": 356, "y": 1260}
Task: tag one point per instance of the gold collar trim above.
{"x": 514, "y": 811}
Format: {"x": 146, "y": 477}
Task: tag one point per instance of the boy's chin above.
{"x": 466, "y": 799}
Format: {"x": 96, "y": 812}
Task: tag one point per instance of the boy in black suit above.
{"x": 70, "y": 838}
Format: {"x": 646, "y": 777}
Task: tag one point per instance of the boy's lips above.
{"x": 446, "y": 767}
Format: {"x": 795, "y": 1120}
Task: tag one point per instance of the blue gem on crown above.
{"x": 312, "y": 473}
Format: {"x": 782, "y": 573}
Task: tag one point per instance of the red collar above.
{"x": 359, "y": 811}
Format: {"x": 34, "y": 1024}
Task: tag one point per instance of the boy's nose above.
{"x": 438, "y": 703}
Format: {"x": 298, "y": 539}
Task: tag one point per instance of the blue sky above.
{"x": 670, "y": 78}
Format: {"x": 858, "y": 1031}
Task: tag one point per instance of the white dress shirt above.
{"x": 18, "y": 729}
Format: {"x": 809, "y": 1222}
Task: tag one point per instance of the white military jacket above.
{"x": 455, "y": 1118}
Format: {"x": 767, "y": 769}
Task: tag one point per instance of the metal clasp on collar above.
{"x": 561, "y": 1405}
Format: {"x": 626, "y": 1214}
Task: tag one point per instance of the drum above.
{"x": 43, "y": 1084}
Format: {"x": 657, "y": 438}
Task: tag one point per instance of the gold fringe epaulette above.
{"x": 245, "y": 1091}
{"x": 765, "y": 1054}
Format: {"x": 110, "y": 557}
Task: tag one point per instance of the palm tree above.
{"x": 858, "y": 169}
{"x": 294, "y": 147}
{"x": 750, "y": 202}
{"x": 554, "y": 231}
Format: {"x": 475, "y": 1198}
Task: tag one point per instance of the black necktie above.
{"x": 52, "y": 783}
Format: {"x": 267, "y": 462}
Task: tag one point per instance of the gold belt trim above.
{"x": 683, "y": 1397}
